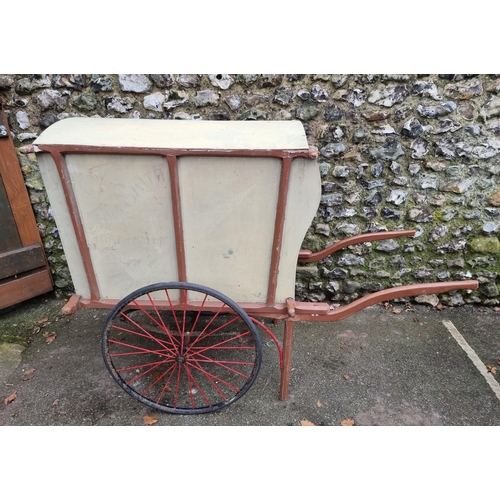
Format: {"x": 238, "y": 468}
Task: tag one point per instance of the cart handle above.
{"x": 306, "y": 256}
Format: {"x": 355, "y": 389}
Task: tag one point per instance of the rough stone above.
{"x": 387, "y": 246}
{"x": 51, "y": 99}
{"x": 355, "y": 97}
{"x": 233, "y": 101}
{"x": 420, "y": 214}
{"x": 426, "y": 89}
{"x": 332, "y": 113}
{"x": 23, "y": 120}
{"x": 270, "y": 80}
{"x": 453, "y": 300}
{"x": 307, "y": 111}
{"x": 307, "y": 272}
{"x": 491, "y": 108}
{"x": 373, "y": 199}
{"x": 206, "y": 98}
{"x": 456, "y": 263}
{"x": 494, "y": 199}
{"x": 32, "y": 83}
{"x": 412, "y": 128}
{"x": 332, "y": 150}
{"x": 490, "y": 290}
{"x": 431, "y": 300}
{"x": 304, "y": 94}
{"x": 390, "y": 151}
{"x": 76, "y": 82}
{"x": 163, "y": 81}
{"x": 464, "y": 90}
{"x": 221, "y": 81}
{"x": 331, "y": 200}
{"x": 134, "y": 83}
{"x": 6, "y": 82}
{"x": 283, "y": 96}
{"x": 389, "y": 96}
{"x": 48, "y": 120}
{"x": 87, "y": 101}
{"x": 437, "y": 111}
{"x": 154, "y": 102}
{"x": 377, "y": 116}
{"x": 351, "y": 260}
{"x": 490, "y": 227}
{"x": 189, "y": 81}
{"x": 318, "y": 93}
{"x": 340, "y": 171}
{"x": 397, "y": 197}
{"x": 436, "y": 233}
{"x": 350, "y": 286}
{"x": 119, "y": 104}
{"x": 458, "y": 185}
{"x": 485, "y": 245}
{"x": 446, "y": 126}
{"x": 419, "y": 148}
{"x": 466, "y": 111}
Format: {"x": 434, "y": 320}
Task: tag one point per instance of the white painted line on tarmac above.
{"x": 473, "y": 356}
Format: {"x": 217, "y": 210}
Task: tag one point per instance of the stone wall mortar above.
{"x": 397, "y": 151}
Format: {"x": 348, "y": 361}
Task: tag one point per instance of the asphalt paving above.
{"x": 383, "y": 366}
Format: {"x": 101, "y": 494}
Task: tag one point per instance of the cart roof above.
{"x": 176, "y": 134}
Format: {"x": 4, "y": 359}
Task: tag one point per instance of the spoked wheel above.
{"x": 181, "y": 348}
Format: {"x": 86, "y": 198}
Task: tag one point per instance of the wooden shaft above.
{"x": 306, "y": 256}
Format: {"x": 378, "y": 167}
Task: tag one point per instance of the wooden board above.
{"x": 21, "y": 250}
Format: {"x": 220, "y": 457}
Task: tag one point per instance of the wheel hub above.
{"x": 180, "y": 358}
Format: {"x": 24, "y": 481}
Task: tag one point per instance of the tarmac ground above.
{"x": 418, "y": 367}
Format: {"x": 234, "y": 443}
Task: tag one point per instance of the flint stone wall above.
{"x": 397, "y": 152}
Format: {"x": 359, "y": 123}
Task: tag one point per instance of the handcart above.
{"x": 190, "y": 231}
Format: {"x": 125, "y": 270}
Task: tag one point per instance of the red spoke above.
{"x": 183, "y": 323}
{"x": 148, "y": 334}
{"x": 144, "y": 365}
{"x": 173, "y": 312}
{"x": 139, "y": 335}
{"x": 141, "y": 350}
{"x": 162, "y": 325}
{"x": 207, "y": 374}
{"x": 201, "y": 336}
{"x": 165, "y": 386}
{"x": 226, "y": 347}
{"x": 206, "y": 359}
{"x": 138, "y": 376}
{"x": 193, "y": 328}
{"x": 177, "y": 385}
{"x": 190, "y": 376}
{"x": 203, "y": 349}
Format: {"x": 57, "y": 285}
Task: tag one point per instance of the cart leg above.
{"x": 287, "y": 359}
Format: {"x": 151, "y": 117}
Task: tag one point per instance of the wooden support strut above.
{"x": 76, "y": 220}
{"x": 278, "y": 230}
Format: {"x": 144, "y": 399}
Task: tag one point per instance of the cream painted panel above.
{"x": 126, "y": 211}
{"x": 304, "y": 194}
{"x": 62, "y": 217}
{"x": 229, "y": 207}
{"x": 177, "y": 134}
